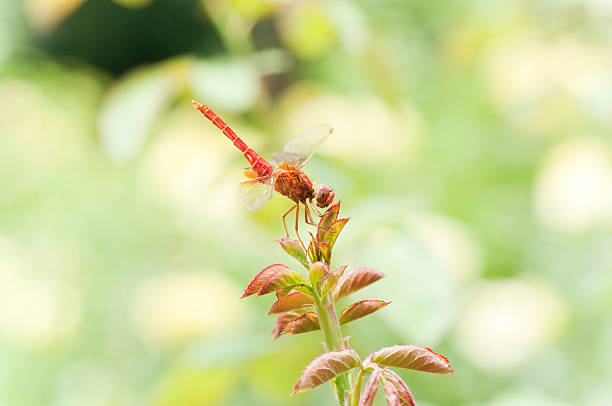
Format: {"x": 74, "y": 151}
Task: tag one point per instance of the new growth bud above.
{"x": 317, "y": 271}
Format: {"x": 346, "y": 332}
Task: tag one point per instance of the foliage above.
{"x": 296, "y": 294}
{"x": 472, "y": 150}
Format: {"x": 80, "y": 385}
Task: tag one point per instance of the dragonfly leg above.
{"x": 312, "y": 206}
{"x": 297, "y": 233}
{"x": 284, "y": 218}
{"x": 311, "y": 222}
{"x": 307, "y": 216}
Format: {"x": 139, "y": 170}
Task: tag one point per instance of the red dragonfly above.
{"x": 286, "y": 177}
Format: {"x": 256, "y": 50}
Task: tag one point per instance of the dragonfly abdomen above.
{"x": 260, "y": 165}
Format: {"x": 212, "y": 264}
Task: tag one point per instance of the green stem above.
{"x": 330, "y": 327}
{"x": 357, "y": 388}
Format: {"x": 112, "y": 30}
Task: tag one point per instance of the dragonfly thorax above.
{"x": 295, "y": 185}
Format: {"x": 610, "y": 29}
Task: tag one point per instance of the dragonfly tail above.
{"x": 260, "y": 165}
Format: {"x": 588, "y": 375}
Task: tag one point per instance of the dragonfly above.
{"x": 286, "y": 177}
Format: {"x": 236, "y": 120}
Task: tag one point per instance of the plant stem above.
{"x": 330, "y": 327}
{"x": 357, "y": 388}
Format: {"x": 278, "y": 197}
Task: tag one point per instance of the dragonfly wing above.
{"x": 256, "y": 193}
{"x": 300, "y": 148}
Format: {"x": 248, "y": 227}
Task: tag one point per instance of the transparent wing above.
{"x": 256, "y": 193}
{"x": 300, "y": 148}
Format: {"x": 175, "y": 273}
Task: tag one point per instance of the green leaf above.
{"x": 403, "y": 392}
{"x": 370, "y": 388}
{"x": 356, "y": 279}
{"x": 412, "y": 357}
{"x": 328, "y": 219}
{"x": 293, "y": 301}
{"x": 302, "y": 287}
{"x": 261, "y": 278}
{"x": 327, "y": 283}
{"x": 282, "y": 278}
{"x": 302, "y": 324}
{"x": 294, "y": 248}
{"x": 326, "y": 367}
{"x": 360, "y": 309}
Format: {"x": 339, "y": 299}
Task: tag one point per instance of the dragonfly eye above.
{"x": 324, "y": 196}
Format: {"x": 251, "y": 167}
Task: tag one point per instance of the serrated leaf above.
{"x": 325, "y": 368}
{"x": 282, "y": 278}
{"x": 370, "y": 388}
{"x": 327, "y": 283}
{"x": 302, "y": 324}
{"x": 412, "y": 357}
{"x": 281, "y": 322}
{"x": 360, "y": 309}
{"x": 261, "y": 278}
{"x": 403, "y": 393}
{"x": 324, "y": 250}
{"x": 293, "y": 301}
{"x": 294, "y": 248}
{"x": 356, "y": 279}
{"x": 391, "y": 394}
{"x": 333, "y": 231}
{"x": 327, "y": 219}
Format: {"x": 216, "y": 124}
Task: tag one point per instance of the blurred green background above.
{"x": 472, "y": 151}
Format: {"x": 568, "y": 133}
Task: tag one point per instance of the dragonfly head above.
{"x": 324, "y": 195}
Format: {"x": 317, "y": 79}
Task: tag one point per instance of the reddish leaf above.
{"x": 325, "y": 368}
{"x": 326, "y": 284}
{"x": 294, "y": 248}
{"x": 391, "y": 394}
{"x": 281, "y": 293}
{"x": 403, "y": 393}
{"x": 292, "y": 301}
{"x": 312, "y": 251}
{"x": 333, "y": 231}
{"x": 356, "y": 279}
{"x": 302, "y": 324}
{"x": 281, "y": 322}
{"x": 328, "y": 219}
{"x": 324, "y": 250}
{"x": 412, "y": 357}
{"x": 282, "y": 278}
{"x": 261, "y": 278}
{"x": 370, "y": 389}
{"x": 360, "y": 309}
